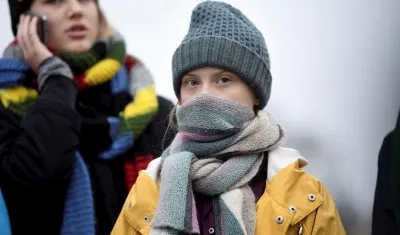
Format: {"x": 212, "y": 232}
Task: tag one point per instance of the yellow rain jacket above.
{"x": 293, "y": 203}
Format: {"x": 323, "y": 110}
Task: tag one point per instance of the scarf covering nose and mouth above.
{"x": 217, "y": 151}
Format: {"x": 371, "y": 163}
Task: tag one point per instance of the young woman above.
{"x": 78, "y": 119}
{"x": 225, "y": 172}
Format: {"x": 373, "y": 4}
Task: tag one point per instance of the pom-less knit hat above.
{"x": 222, "y": 36}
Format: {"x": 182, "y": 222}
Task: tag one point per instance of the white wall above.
{"x": 336, "y": 78}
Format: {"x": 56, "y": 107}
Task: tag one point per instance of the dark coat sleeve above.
{"x": 37, "y": 157}
{"x": 40, "y": 148}
{"x": 384, "y": 218}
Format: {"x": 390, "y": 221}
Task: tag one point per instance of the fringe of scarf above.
{"x": 219, "y": 148}
{"x": 105, "y": 62}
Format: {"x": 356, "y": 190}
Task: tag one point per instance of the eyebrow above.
{"x": 191, "y": 75}
{"x": 219, "y": 72}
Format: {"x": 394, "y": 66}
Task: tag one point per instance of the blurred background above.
{"x": 336, "y": 71}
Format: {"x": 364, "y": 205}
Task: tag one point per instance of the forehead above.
{"x": 58, "y": 1}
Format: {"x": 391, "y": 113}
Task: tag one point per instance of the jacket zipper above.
{"x": 301, "y": 229}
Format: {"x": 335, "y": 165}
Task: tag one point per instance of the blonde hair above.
{"x": 104, "y": 27}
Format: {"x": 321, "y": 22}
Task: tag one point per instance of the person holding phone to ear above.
{"x": 79, "y": 117}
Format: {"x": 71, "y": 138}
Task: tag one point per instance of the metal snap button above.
{"x": 311, "y": 197}
{"x": 279, "y": 219}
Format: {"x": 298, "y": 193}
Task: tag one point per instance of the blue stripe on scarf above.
{"x": 12, "y": 72}
{"x": 5, "y": 228}
{"x": 79, "y": 212}
{"x": 79, "y": 215}
{"x": 122, "y": 144}
{"x": 122, "y": 141}
{"x": 120, "y": 81}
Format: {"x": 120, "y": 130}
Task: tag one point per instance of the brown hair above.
{"x": 171, "y": 126}
{"x": 172, "y": 121}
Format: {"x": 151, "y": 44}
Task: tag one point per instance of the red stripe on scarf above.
{"x": 132, "y": 168}
{"x": 80, "y": 82}
{"x": 130, "y": 62}
{"x": 13, "y": 43}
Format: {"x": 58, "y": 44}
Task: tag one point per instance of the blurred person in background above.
{"x": 79, "y": 118}
{"x": 386, "y": 209}
{"x": 226, "y": 171}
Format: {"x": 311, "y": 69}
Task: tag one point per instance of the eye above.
{"x": 191, "y": 83}
{"x": 224, "y": 80}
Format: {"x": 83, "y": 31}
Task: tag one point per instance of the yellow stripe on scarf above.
{"x": 102, "y": 71}
{"x": 145, "y": 102}
{"x": 16, "y": 95}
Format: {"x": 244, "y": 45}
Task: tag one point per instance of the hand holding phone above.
{"x": 34, "y": 50}
{"x": 41, "y": 26}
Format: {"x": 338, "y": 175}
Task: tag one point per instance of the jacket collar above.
{"x": 290, "y": 186}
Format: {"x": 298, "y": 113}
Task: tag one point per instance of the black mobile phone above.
{"x": 41, "y": 27}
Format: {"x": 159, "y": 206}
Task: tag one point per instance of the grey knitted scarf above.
{"x": 217, "y": 151}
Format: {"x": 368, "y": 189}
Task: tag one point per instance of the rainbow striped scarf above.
{"x": 106, "y": 62}
{"x": 217, "y": 151}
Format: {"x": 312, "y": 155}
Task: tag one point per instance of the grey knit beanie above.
{"x": 222, "y": 36}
